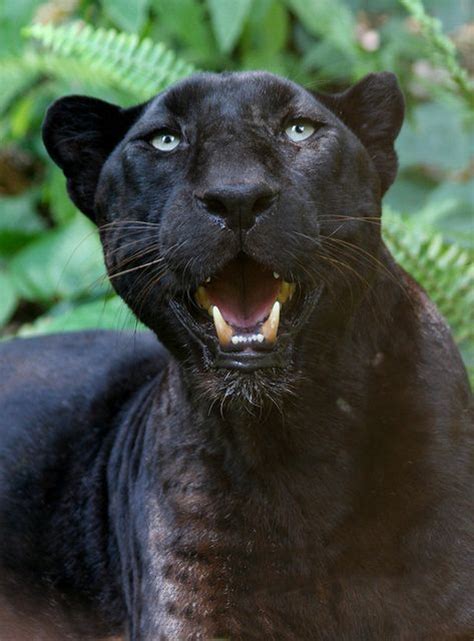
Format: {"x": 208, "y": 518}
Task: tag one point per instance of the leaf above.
{"x": 444, "y": 269}
{"x": 442, "y": 50}
{"x": 118, "y": 60}
{"x": 55, "y": 195}
{"x": 110, "y": 313}
{"x": 129, "y": 15}
{"x": 452, "y": 14}
{"x": 450, "y": 208}
{"x": 20, "y": 116}
{"x": 434, "y": 136}
{"x": 64, "y": 263}
{"x": 374, "y": 6}
{"x": 265, "y": 36}
{"x": 13, "y": 14}
{"x": 16, "y": 77}
{"x": 447, "y": 207}
{"x": 19, "y": 222}
{"x": 228, "y": 19}
{"x": 328, "y": 63}
{"x": 329, "y": 19}
{"x": 8, "y": 297}
{"x": 173, "y": 23}
{"x": 409, "y": 192}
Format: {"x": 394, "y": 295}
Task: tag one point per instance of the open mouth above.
{"x": 244, "y": 301}
{"x": 246, "y": 314}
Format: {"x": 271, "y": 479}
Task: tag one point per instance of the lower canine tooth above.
{"x": 269, "y": 328}
{"x": 223, "y": 329}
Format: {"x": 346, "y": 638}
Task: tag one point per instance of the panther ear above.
{"x": 79, "y": 133}
{"x": 373, "y": 109}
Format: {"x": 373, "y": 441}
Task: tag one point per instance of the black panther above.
{"x": 293, "y": 459}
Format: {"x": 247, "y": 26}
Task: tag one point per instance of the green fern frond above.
{"x": 444, "y": 269}
{"x": 444, "y": 50}
{"x": 20, "y": 75}
{"x": 121, "y": 60}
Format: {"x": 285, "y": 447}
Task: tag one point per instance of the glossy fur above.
{"x": 153, "y": 493}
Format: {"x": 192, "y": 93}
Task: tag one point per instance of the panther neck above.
{"x": 198, "y": 507}
{"x": 209, "y": 496}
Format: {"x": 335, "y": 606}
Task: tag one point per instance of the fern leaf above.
{"x": 444, "y": 269}
{"x": 121, "y": 60}
{"x": 443, "y": 49}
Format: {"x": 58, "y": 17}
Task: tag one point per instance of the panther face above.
{"x": 234, "y": 210}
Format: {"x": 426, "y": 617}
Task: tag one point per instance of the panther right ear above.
{"x": 80, "y": 133}
{"x": 373, "y": 109}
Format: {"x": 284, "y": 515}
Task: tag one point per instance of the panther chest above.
{"x": 213, "y": 588}
{"x": 222, "y": 568}
{"x": 286, "y": 597}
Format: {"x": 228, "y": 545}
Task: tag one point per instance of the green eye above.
{"x": 298, "y": 131}
{"x": 166, "y": 141}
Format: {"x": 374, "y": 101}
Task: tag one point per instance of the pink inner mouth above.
{"x": 244, "y": 291}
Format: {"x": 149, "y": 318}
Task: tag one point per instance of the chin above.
{"x": 255, "y": 392}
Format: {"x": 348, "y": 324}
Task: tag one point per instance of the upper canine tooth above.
{"x": 202, "y": 298}
{"x": 286, "y": 291}
{"x": 223, "y": 329}
{"x": 270, "y": 326}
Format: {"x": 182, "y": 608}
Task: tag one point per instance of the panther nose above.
{"x": 239, "y": 205}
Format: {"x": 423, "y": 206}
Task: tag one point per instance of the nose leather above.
{"x": 239, "y": 205}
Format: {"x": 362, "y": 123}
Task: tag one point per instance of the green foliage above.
{"x": 52, "y": 276}
{"x": 9, "y": 297}
{"x": 61, "y": 264}
{"x": 16, "y": 75}
{"x": 106, "y": 313}
{"x": 443, "y": 49}
{"x": 120, "y": 60}
{"x": 329, "y": 19}
{"x": 445, "y": 269}
{"x": 130, "y": 16}
{"x": 449, "y": 149}
{"x": 19, "y": 223}
{"x": 264, "y": 36}
{"x": 172, "y": 24}
{"x": 228, "y": 17}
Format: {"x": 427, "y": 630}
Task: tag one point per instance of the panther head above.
{"x": 234, "y": 212}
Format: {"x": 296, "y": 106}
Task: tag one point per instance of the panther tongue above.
{"x": 244, "y": 292}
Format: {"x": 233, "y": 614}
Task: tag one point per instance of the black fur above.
{"x": 322, "y": 491}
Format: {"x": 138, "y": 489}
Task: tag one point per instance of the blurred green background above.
{"x": 51, "y": 268}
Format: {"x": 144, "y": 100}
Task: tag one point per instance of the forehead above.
{"x": 230, "y": 95}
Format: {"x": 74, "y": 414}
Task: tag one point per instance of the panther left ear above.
{"x": 373, "y": 109}
{"x": 80, "y": 133}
